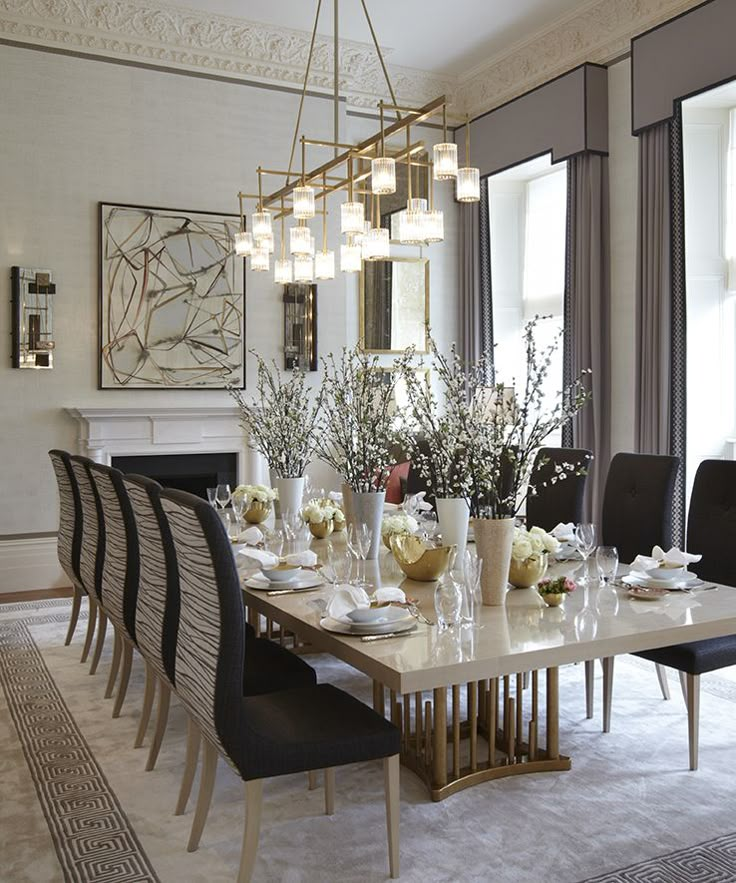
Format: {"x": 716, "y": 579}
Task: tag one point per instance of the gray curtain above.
{"x": 476, "y": 311}
{"x": 587, "y": 313}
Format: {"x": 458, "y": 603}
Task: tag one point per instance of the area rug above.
{"x": 78, "y": 806}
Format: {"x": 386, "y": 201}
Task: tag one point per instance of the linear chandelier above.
{"x": 365, "y": 172}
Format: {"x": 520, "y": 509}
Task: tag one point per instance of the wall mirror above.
{"x": 394, "y": 305}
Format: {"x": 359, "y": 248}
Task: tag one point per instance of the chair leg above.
{"x": 204, "y": 798}
{"x": 330, "y": 791}
{"x": 124, "y": 677}
{"x": 253, "y": 801}
{"x": 663, "y": 682}
{"x": 149, "y": 692}
{"x": 607, "y": 664}
{"x": 91, "y": 622}
{"x": 101, "y": 629}
{"x": 117, "y": 649}
{"x": 683, "y": 685}
{"x": 589, "y": 687}
{"x": 74, "y": 616}
{"x": 391, "y": 768}
{"x": 162, "y": 718}
{"x": 693, "y": 717}
{"x": 190, "y": 767}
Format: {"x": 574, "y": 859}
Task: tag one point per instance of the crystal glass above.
{"x": 303, "y": 202}
{"x": 428, "y": 523}
{"x": 376, "y": 244}
{"x": 383, "y": 175}
{"x": 472, "y": 566}
{"x": 324, "y": 265}
{"x": 585, "y": 542}
{"x": 238, "y": 503}
{"x": 340, "y": 561}
{"x": 445, "y": 161}
{"x": 359, "y": 543}
{"x": 467, "y": 610}
{"x": 212, "y": 496}
{"x": 232, "y": 523}
{"x": 274, "y": 542}
{"x": 606, "y": 558}
{"x": 398, "y": 223}
{"x": 448, "y": 602}
{"x": 413, "y": 228}
{"x": 223, "y": 495}
{"x": 434, "y": 226}
{"x": 352, "y": 216}
{"x": 350, "y": 258}
{"x": 265, "y": 241}
{"x": 259, "y": 260}
{"x": 261, "y": 224}
{"x": 301, "y": 242}
{"x": 303, "y": 268}
{"x": 468, "y": 185}
{"x": 243, "y": 243}
{"x": 283, "y": 273}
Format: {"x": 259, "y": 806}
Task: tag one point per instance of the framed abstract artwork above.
{"x": 172, "y": 299}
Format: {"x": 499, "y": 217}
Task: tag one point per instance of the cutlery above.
{"x": 417, "y": 614}
{"x": 367, "y": 639}
{"x": 294, "y": 591}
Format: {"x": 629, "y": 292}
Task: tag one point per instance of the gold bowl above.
{"x": 257, "y": 512}
{"x": 419, "y": 562}
{"x": 553, "y": 599}
{"x": 524, "y": 574}
{"x": 321, "y": 529}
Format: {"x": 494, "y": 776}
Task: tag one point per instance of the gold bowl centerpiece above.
{"x": 399, "y": 524}
{"x": 529, "y": 556}
{"x": 418, "y": 560}
{"x": 258, "y": 499}
{"x": 323, "y": 516}
{"x": 554, "y": 591}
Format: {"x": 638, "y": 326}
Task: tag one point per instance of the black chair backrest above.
{"x": 92, "y": 553}
{"x": 157, "y": 608}
{"x": 559, "y": 491}
{"x": 69, "y": 543}
{"x": 711, "y": 526}
{"x": 415, "y": 481}
{"x": 210, "y": 647}
{"x": 637, "y": 504}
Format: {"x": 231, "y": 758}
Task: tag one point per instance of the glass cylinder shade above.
{"x": 376, "y": 244}
{"x": 265, "y": 241}
{"x": 352, "y": 216}
{"x": 413, "y": 230}
{"x": 468, "y": 185}
{"x": 398, "y": 223}
{"x": 434, "y": 226}
{"x": 261, "y": 224}
{"x": 324, "y": 265}
{"x": 445, "y": 161}
{"x": 383, "y": 175}
{"x": 282, "y": 274}
{"x": 303, "y": 268}
{"x": 301, "y": 241}
{"x": 350, "y": 258}
{"x": 304, "y": 202}
{"x": 243, "y": 243}
{"x": 259, "y": 260}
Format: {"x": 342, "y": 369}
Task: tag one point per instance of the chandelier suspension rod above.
{"x": 336, "y": 66}
{"x": 304, "y": 88}
{"x": 380, "y": 55}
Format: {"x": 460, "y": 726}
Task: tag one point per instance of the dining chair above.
{"x": 92, "y": 552}
{"x": 120, "y": 575}
{"x": 69, "y": 539}
{"x": 557, "y": 499}
{"x": 710, "y": 532}
{"x": 271, "y": 734}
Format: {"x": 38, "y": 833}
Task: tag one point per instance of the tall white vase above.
{"x": 368, "y": 509}
{"x": 291, "y": 491}
{"x": 453, "y": 514}
{"x": 493, "y": 540}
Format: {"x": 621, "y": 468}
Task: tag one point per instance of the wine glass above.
{"x": 274, "y": 542}
{"x": 606, "y": 557}
{"x": 360, "y": 537}
{"x": 238, "y": 504}
{"x": 212, "y": 496}
{"x": 428, "y": 523}
{"x": 585, "y": 541}
{"x": 223, "y": 495}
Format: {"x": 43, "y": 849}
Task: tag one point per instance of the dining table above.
{"x": 480, "y": 701}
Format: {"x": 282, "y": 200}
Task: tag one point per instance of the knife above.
{"x": 366, "y": 639}
{"x": 294, "y": 591}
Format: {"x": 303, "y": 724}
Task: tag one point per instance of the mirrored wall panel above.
{"x": 394, "y": 305}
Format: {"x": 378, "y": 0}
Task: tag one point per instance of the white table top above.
{"x": 521, "y": 636}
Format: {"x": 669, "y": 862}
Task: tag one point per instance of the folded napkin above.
{"x": 674, "y": 556}
{"x": 563, "y": 531}
{"x": 251, "y": 535}
{"x": 349, "y": 598}
{"x": 307, "y": 558}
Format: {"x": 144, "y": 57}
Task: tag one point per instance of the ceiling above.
{"x": 431, "y": 35}
{"x": 718, "y": 98}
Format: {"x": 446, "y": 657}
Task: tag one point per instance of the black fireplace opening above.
{"x": 193, "y": 473}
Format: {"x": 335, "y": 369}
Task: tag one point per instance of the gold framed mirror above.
{"x": 394, "y": 305}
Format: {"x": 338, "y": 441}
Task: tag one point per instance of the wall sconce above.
{"x": 33, "y": 313}
{"x": 300, "y": 327}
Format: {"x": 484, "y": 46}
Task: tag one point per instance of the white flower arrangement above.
{"x": 532, "y": 542}
{"x": 317, "y": 511}
{"x": 398, "y": 524}
{"x": 255, "y": 493}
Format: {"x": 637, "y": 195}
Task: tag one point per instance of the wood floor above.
{"x": 35, "y": 595}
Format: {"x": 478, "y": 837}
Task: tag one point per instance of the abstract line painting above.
{"x": 172, "y": 300}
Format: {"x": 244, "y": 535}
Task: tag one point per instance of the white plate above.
{"x": 305, "y": 581}
{"x": 390, "y": 616}
{"x": 634, "y": 578}
{"x": 342, "y": 628}
{"x": 384, "y": 613}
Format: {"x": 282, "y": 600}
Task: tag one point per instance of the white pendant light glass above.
{"x": 261, "y": 224}
{"x": 352, "y": 215}
{"x": 265, "y": 241}
{"x": 282, "y": 274}
{"x": 259, "y": 260}
{"x": 398, "y": 221}
{"x": 301, "y": 242}
{"x": 414, "y": 222}
{"x": 445, "y": 161}
{"x": 324, "y": 265}
{"x": 468, "y": 185}
{"x": 376, "y": 244}
{"x": 434, "y": 226}
{"x": 303, "y": 268}
{"x": 383, "y": 175}
{"x": 350, "y": 258}
{"x": 304, "y": 202}
{"x": 243, "y": 243}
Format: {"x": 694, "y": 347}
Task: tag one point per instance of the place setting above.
{"x": 296, "y": 572}
{"x": 385, "y": 613}
{"x": 652, "y": 577}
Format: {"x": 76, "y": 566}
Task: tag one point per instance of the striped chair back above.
{"x": 157, "y": 608}
{"x": 120, "y": 569}
{"x": 92, "y": 552}
{"x": 210, "y": 646}
{"x": 69, "y": 542}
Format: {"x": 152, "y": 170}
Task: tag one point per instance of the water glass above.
{"x": 212, "y": 496}
{"x": 223, "y": 495}
{"x": 274, "y": 542}
{"x": 448, "y": 603}
{"x": 360, "y": 537}
{"x": 585, "y": 542}
{"x": 606, "y": 557}
{"x": 238, "y": 504}
{"x": 467, "y": 611}
{"x": 232, "y": 523}
{"x": 472, "y": 566}
{"x": 341, "y": 563}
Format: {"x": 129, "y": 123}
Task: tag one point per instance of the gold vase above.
{"x": 553, "y": 599}
{"x": 257, "y": 512}
{"x": 524, "y": 574}
{"x": 417, "y": 561}
{"x": 321, "y": 529}
{"x": 338, "y": 525}
{"x": 493, "y": 540}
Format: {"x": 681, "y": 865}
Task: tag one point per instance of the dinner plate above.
{"x": 343, "y": 628}
{"x": 646, "y": 593}
{"x": 634, "y": 578}
{"x": 391, "y": 616}
{"x": 305, "y": 581}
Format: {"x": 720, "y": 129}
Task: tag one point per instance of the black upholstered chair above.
{"x": 557, "y": 500}
{"x": 69, "y": 539}
{"x": 710, "y": 533}
{"x": 297, "y": 730}
{"x": 92, "y": 553}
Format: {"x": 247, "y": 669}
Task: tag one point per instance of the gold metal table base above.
{"x": 485, "y": 742}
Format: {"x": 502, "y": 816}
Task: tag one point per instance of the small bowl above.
{"x": 369, "y": 614}
{"x": 282, "y": 573}
{"x": 667, "y": 572}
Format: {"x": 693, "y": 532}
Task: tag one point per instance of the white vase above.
{"x": 453, "y": 514}
{"x": 368, "y": 509}
{"x": 493, "y": 540}
{"x": 273, "y": 477}
{"x": 291, "y": 491}
{"x": 347, "y": 502}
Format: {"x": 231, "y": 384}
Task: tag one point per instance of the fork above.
{"x": 417, "y": 614}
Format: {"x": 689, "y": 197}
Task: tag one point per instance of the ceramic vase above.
{"x": 257, "y": 512}
{"x": 321, "y": 529}
{"x": 291, "y": 491}
{"x": 524, "y": 574}
{"x": 368, "y": 509}
{"x": 453, "y": 514}
{"x": 493, "y": 541}
{"x": 347, "y": 502}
